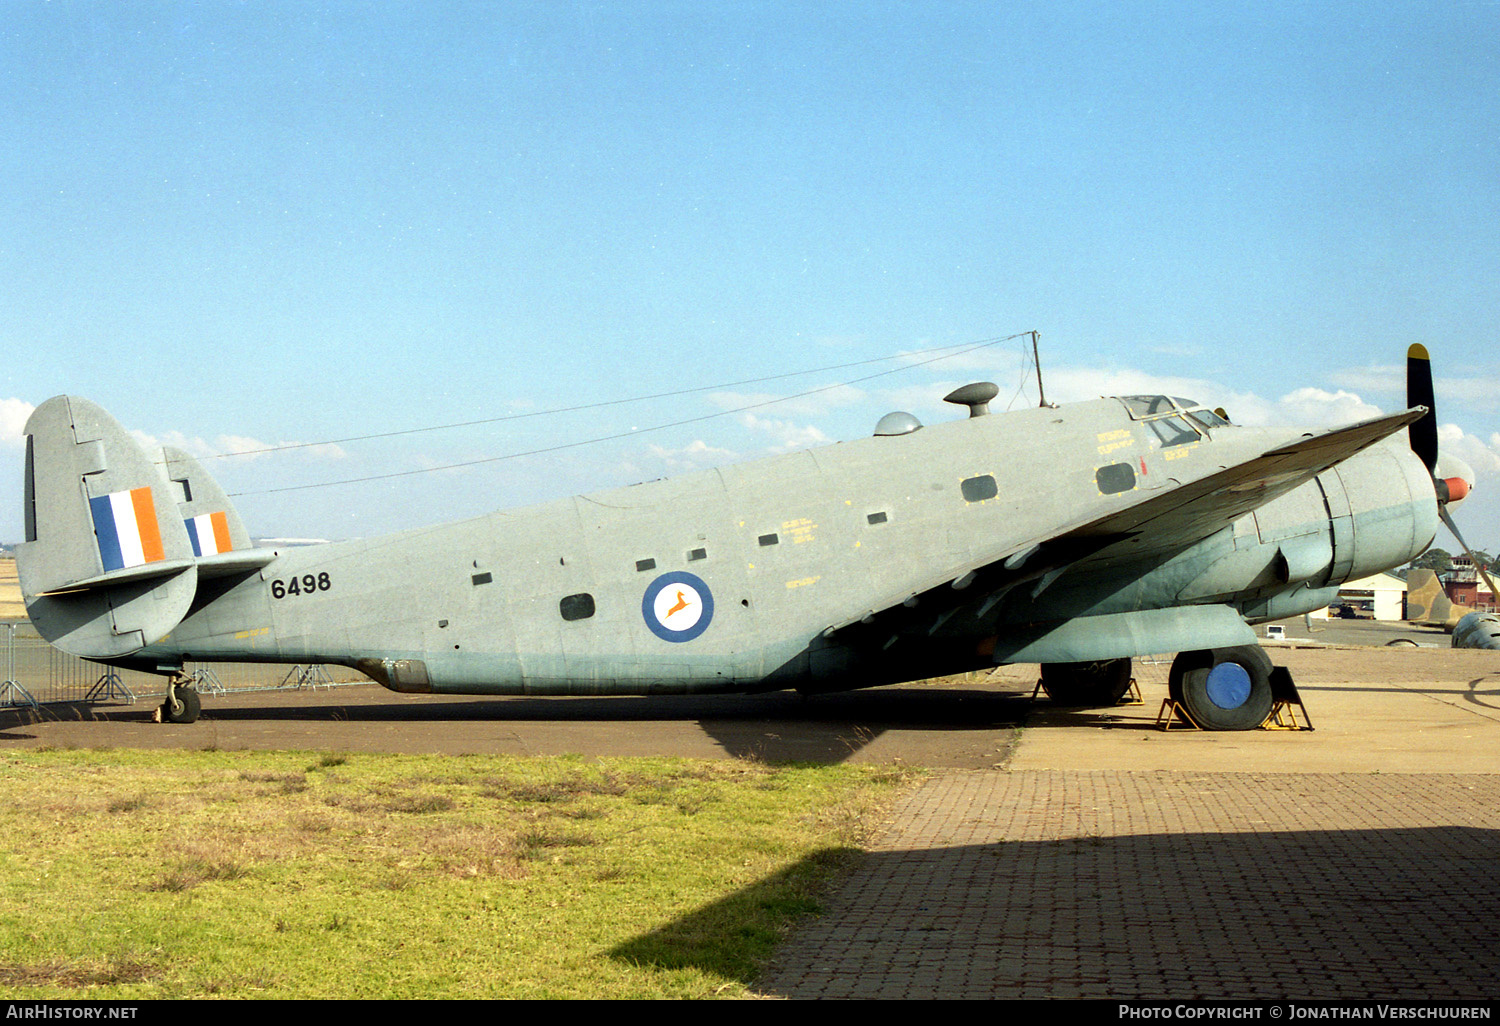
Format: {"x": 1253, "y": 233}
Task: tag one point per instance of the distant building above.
{"x": 1463, "y": 586}
{"x": 1381, "y": 597}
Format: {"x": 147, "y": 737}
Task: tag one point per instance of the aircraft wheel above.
{"x": 181, "y": 707}
{"x": 1099, "y": 683}
{"x": 1232, "y": 691}
{"x": 1184, "y": 662}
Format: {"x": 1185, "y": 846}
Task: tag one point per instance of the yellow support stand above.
{"x": 1168, "y": 714}
{"x": 1286, "y": 703}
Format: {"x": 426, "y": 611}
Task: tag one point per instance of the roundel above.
{"x": 677, "y": 606}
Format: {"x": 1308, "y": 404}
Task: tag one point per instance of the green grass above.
{"x": 140, "y": 875}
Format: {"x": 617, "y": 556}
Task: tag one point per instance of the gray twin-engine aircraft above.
{"x": 1074, "y": 536}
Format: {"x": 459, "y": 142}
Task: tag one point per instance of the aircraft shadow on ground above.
{"x": 774, "y": 727}
{"x": 1335, "y": 914}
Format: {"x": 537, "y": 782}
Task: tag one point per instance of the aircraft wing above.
{"x": 1162, "y": 522}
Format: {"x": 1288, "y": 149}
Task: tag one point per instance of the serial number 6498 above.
{"x": 304, "y": 585}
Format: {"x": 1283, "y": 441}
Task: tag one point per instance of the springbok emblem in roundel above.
{"x": 678, "y": 606}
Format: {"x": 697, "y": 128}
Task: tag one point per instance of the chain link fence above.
{"x": 36, "y": 674}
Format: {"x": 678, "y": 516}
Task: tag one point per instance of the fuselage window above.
{"x": 978, "y": 489}
{"x": 1117, "y": 477}
{"x": 876, "y": 518}
{"x": 697, "y": 554}
{"x": 577, "y": 607}
{"x": 478, "y": 579}
{"x": 645, "y": 564}
{"x": 769, "y": 539}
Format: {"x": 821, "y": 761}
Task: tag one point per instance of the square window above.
{"x": 697, "y": 554}
{"x": 577, "y": 607}
{"x": 645, "y": 564}
{"x": 876, "y": 518}
{"x": 978, "y": 489}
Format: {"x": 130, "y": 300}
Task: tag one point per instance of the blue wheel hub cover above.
{"x": 1228, "y": 685}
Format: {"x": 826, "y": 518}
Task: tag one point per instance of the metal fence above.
{"x": 36, "y": 673}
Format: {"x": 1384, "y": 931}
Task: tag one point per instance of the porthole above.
{"x": 978, "y": 489}
{"x": 577, "y": 607}
{"x": 1116, "y": 477}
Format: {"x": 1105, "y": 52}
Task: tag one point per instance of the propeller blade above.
{"x": 1423, "y": 433}
{"x": 1443, "y": 512}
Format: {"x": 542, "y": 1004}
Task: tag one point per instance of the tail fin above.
{"x": 218, "y": 538}
{"x": 1427, "y": 604}
{"x": 107, "y": 566}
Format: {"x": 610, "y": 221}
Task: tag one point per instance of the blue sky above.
{"x": 241, "y": 225}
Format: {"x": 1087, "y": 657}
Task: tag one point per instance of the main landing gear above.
{"x": 182, "y": 704}
{"x": 1099, "y": 683}
{"x": 1223, "y": 688}
{"x": 1218, "y": 689}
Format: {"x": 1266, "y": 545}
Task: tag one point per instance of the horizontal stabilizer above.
{"x": 126, "y": 575}
{"x": 227, "y": 563}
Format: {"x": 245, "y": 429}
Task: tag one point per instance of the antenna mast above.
{"x": 1036, "y": 359}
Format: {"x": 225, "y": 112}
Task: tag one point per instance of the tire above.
{"x": 1229, "y": 690}
{"x": 1101, "y": 683}
{"x": 1185, "y": 661}
{"x": 184, "y": 710}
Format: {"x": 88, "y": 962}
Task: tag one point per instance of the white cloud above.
{"x": 1385, "y": 379}
{"x": 1482, "y": 456}
{"x": 1316, "y": 407}
{"x": 1478, "y": 390}
{"x": 13, "y": 416}
{"x": 1000, "y": 359}
{"x": 693, "y": 456}
{"x": 787, "y": 435}
{"x": 241, "y": 446}
{"x": 815, "y": 404}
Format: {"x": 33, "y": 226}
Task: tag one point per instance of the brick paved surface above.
{"x": 1118, "y": 884}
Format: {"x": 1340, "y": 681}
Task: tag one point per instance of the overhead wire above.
{"x": 962, "y": 348}
{"x": 966, "y": 347}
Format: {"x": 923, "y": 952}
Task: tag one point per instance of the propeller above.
{"x": 1423, "y": 433}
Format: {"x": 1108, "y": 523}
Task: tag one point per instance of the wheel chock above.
{"x": 1285, "y": 703}
{"x": 1173, "y": 712}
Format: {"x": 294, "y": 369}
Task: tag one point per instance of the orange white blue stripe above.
{"x": 209, "y": 533}
{"x": 125, "y": 524}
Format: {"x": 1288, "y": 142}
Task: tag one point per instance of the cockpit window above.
{"x": 1146, "y": 405}
{"x": 1150, "y": 407}
{"x": 1172, "y": 431}
{"x": 1208, "y": 418}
